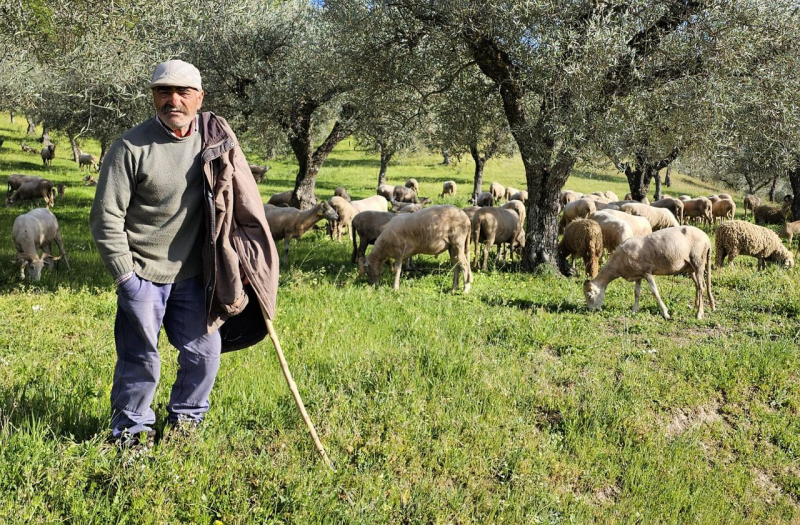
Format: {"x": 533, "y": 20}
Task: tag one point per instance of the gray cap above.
{"x": 176, "y": 73}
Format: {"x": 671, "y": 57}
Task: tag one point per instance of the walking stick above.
{"x": 293, "y": 387}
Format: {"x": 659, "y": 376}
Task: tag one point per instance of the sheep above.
{"x": 471, "y": 211}
{"x": 751, "y": 202}
{"x": 658, "y": 218}
{"x": 346, "y": 212}
{"x": 685, "y": 198}
{"x": 291, "y": 223}
{"x": 32, "y": 190}
{"x": 629, "y": 197}
{"x": 281, "y": 199}
{"x": 492, "y": 225}
{"x": 769, "y": 214}
{"x": 403, "y": 194}
{"x": 568, "y": 196}
{"x": 258, "y": 171}
{"x": 386, "y": 191}
{"x": 673, "y": 205}
{"x": 448, "y": 188}
{"x": 340, "y": 191}
{"x": 26, "y": 148}
{"x": 789, "y": 230}
{"x": 583, "y": 238}
{"x": 743, "y": 238}
{"x": 615, "y": 231}
{"x": 578, "y": 209}
{"x": 725, "y": 196}
{"x": 610, "y": 195}
{"x": 700, "y": 208}
{"x": 374, "y": 203}
{"x": 723, "y": 209}
{"x": 670, "y": 251}
{"x": 367, "y": 226}
{"x": 600, "y": 206}
{"x": 639, "y": 225}
{"x": 34, "y": 230}
{"x": 497, "y": 190}
{"x": 88, "y": 160}
{"x": 597, "y": 197}
{"x": 413, "y": 184}
{"x": 485, "y": 199}
{"x": 406, "y": 207}
{"x": 520, "y": 196}
{"x": 429, "y": 231}
{"x": 16, "y": 180}
{"x": 60, "y": 190}
{"x": 48, "y": 154}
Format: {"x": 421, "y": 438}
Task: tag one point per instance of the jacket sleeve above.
{"x": 115, "y": 187}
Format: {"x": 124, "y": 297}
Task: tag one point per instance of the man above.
{"x": 179, "y": 223}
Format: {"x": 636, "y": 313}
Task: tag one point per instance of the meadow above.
{"x": 511, "y": 404}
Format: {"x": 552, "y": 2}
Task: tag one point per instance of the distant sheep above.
{"x": 510, "y": 192}
{"x": 88, "y": 160}
{"x": 789, "y": 230}
{"x": 699, "y": 208}
{"x": 578, "y": 209}
{"x": 345, "y": 213}
{"x": 448, "y": 189}
{"x": 658, "y": 218}
{"x": 735, "y": 238}
{"x": 340, "y": 191}
{"x": 413, "y": 185}
{"x": 16, "y": 180}
{"x": 404, "y": 194}
{"x": 291, "y": 223}
{"x": 583, "y": 238}
{"x": 723, "y": 209}
{"x": 568, "y": 196}
{"x": 258, "y": 172}
{"x": 33, "y": 231}
{"x": 629, "y": 197}
{"x": 520, "y": 196}
{"x": 497, "y": 190}
{"x": 751, "y": 202}
{"x": 484, "y": 199}
{"x": 48, "y": 154}
{"x": 33, "y": 190}
{"x": 281, "y": 199}
{"x": 494, "y": 225}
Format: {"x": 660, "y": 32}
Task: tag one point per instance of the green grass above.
{"x": 510, "y": 404}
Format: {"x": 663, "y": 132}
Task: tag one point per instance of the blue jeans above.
{"x": 142, "y": 307}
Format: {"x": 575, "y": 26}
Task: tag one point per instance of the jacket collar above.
{"x": 216, "y": 139}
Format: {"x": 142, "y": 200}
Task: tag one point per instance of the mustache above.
{"x": 169, "y": 107}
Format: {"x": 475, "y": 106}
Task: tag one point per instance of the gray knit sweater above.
{"x": 147, "y": 213}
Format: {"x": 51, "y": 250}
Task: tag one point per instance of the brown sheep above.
{"x": 751, "y": 202}
{"x": 743, "y": 238}
{"x": 583, "y": 238}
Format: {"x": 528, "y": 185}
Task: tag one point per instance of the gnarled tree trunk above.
{"x": 31, "y": 126}
{"x": 445, "y": 157}
{"x": 772, "y": 189}
{"x": 386, "y": 156}
{"x": 794, "y": 180}
{"x": 480, "y": 163}
{"x": 76, "y": 149}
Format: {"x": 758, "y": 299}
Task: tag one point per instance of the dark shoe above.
{"x": 141, "y": 441}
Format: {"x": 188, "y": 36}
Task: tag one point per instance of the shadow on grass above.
{"x": 550, "y": 306}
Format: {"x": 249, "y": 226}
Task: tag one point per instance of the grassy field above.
{"x": 510, "y": 404}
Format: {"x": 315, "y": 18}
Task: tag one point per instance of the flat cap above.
{"x": 176, "y": 73}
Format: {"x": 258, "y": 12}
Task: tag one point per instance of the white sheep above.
{"x": 413, "y": 184}
{"x": 291, "y": 223}
{"x": 735, "y": 238}
{"x": 374, "y": 203}
{"x": 497, "y": 190}
{"x": 615, "y": 231}
{"x": 579, "y": 209}
{"x": 386, "y": 191}
{"x": 510, "y": 192}
{"x": 48, "y": 154}
{"x": 610, "y": 195}
{"x": 520, "y": 196}
{"x": 671, "y": 251}
{"x": 568, "y": 196}
{"x": 449, "y": 189}
{"x": 345, "y": 211}
{"x": 495, "y": 225}
{"x": 639, "y": 225}
{"x": 31, "y": 232}
{"x": 88, "y": 160}
{"x": 659, "y": 218}
{"x": 429, "y": 231}
{"x": 675, "y": 206}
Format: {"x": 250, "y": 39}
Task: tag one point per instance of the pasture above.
{"x": 510, "y": 404}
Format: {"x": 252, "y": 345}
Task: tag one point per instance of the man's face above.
{"x": 177, "y": 106}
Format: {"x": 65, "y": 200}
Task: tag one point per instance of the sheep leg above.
{"x": 697, "y": 277}
{"x": 61, "y": 251}
{"x": 286, "y": 251}
{"x": 636, "y": 291}
{"x": 486, "y": 248}
{"x": 398, "y": 266}
{"x": 652, "y": 282}
{"x": 22, "y": 270}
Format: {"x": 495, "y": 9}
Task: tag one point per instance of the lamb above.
{"x": 751, "y": 202}
{"x": 520, "y": 196}
{"x": 374, "y": 203}
{"x": 789, "y": 230}
{"x": 448, "y": 188}
{"x": 700, "y": 208}
{"x": 386, "y": 191}
{"x": 497, "y": 190}
{"x": 583, "y": 238}
{"x": 258, "y": 171}
{"x": 768, "y": 214}
{"x": 743, "y": 238}
{"x": 16, "y": 180}
{"x": 658, "y": 218}
{"x": 510, "y": 192}
{"x": 723, "y": 209}
{"x": 413, "y": 184}
{"x": 48, "y": 154}
{"x": 340, "y": 191}
{"x": 430, "y": 231}
{"x": 281, "y": 199}
{"x": 404, "y": 194}
{"x": 673, "y": 205}
{"x": 407, "y": 207}
{"x": 88, "y": 160}
{"x": 346, "y": 212}
{"x": 484, "y": 199}
{"x": 34, "y": 230}
{"x": 615, "y": 231}
{"x": 500, "y": 225}
{"x": 671, "y": 251}
{"x": 291, "y": 223}
{"x": 367, "y": 226}
{"x": 639, "y": 225}
{"x": 32, "y": 190}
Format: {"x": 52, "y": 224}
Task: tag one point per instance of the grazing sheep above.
{"x": 789, "y": 230}
{"x": 88, "y": 160}
{"x": 629, "y": 197}
{"x": 26, "y": 148}
{"x": 700, "y": 208}
{"x": 583, "y": 238}
{"x": 751, "y": 202}
{"x": 346, "y": 212}
{"x": 367, "y": 225}
{"x": 429, "y": 231}
{"x": 471, "y": 211}
{"x": 723, "y": 209}
{"x": 484, "y": 199}
{"x": 610, "y": 195}
{"x": 639, "y": 225}
{"x": 48, "y": 154}
{"x": 413, "y": 184}
{"x": 510, "y": 192}
{"x": 409, "y": 207}
{"x": 671, "y": 251}
{"x": 658, "y": 218}
{"x": 403, "y": 194}
{"x": 60, "y": 190}
{"x": 281, "y": 199}
{"x": 16, "y": 180}
{"x": 578, "y": 209}
{"x": 675, "y": 206}
{"x": 494, "y": 225}
{"x": 291, "y": 223}
{"x": 735, "y": 238}
{"x": 600, "y": 206}
{"x": 615, "y": 231}
{"x": 33, "y": 190}
{"x": 448, "y": 188}
{"x": 258, "y": 171}
{"x": 769, "y": 214}
{"x": 497, "y": 190}
{"x": 386, "y": 191}
{"x": 340, "y": 191}
{"x": 374, "y": 203}
{"x": 32, "y": 231}
{"x": 568, "y": 196}
{"x": 725, "y": 196}
{"x": 520, "y": 196}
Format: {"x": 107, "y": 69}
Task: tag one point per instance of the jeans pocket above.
{"x": 130, "y": 286}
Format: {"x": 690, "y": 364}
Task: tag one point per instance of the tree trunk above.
{"x": 751, "y": 187}
{"x": 31, "y": 126}
{"x": 657, "y": 195}
{"x": 11, "y": 113}
{"x": 480, "y": 162}
{"x": 386, "y": 156}
{"x": 772, "y": 189}
{"x": 668, "y": 178}
{"x": 794, "y": 180}
{"x": 45, "y": 138}
{"x": 446, "y": 157}
{"x": 636, "y": 181}
{"x": 76, "y": 149}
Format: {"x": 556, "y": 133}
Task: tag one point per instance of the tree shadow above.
{"x": 553, "y": 306}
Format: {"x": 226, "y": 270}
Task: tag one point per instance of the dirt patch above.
{"x": 686, "y": 419}
{"x": 606, "y": 495}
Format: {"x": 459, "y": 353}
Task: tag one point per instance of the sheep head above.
{"x": 594, "y": 295}
{"x": 34, "y": 266}
{"x": 327, "y": 212}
